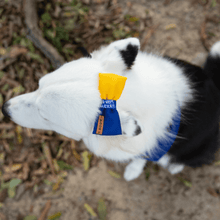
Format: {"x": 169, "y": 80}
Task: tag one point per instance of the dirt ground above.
{"x": 161, "y": 196}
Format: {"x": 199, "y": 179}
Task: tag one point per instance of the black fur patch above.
{"x": 138, "y": 130}
{"x": 200, "y": 131}
{"x": 5, "y": 109}
{"x": 212, "y": 69}
{"x": 85, "y": 52}
{"x": 129, "y": 55}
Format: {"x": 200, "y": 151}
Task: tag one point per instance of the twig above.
{"x": 203, "y": 35}
{"x": 11, "y": 82}
{"x": 7, "y": 63}
{"x": 167, "y": 2}
{"x": 49, "y": 157}
{"x": 35, "y": 34}
{"x": 149, "y": 34}
{"x": 6, "y": 126}
{"x": 2, "y": 216}
{"x": 11, "y": 56}
{"x": 6, "y": 146}
{"x": 45, "y": 211}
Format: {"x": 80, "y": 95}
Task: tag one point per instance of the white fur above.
{"x": 175, "y": 168}
{"x": 134, "y": 169}
{"x": 67, "y": 101}
{"x": 215, "y": 50}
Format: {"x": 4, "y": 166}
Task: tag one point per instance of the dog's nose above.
{"x": 5, "y": 109}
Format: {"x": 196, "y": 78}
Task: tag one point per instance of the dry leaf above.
{"x": 114, "y": 174}
{"x": 43, "y": 164}
{"x": 2, "y": 216}
{"x": 11, "y": 192}
{"x": 61, "y": 149}
{"x": 13, "y": 168}
{"x": 2, "y": 157}
{"x": 29, "y": 132}
{"x": 8, "y": 176}
{"x": 2, "y": 51}
{"x": 54, "y": 216}
{"x": 6, "y": 134}
{"x": 18, "y": 89}
{"x": 66, "y": 155}
{"x": 85, "y": 156}
{"x": 217, "y": 163}
{"x": 22, "y": 156}
{"x": 57, "y": 184}
{"x": 1, "y": 99}
{"x": 186, "y": 182}
{"x": 39, "y": 172}
{"x": 102, "y": 210}
{"x": 73, "y": 147}
{"x": 59, "y": 154}
{"x": 18, "y": 130}
{"x": 73, "y": 144}
{"x": 63, "y": 173}
{"x": 76, "y": 155}
{"x": 14, "y": 182}
{"x": 6, "y": 146}
{"x": 212, "y": 192}
{"x": 3, "y": 195}
{"x": 90, "y": 210}
{"x": 26, "y": 170}
{"x": 56, "y": 166}
{"x": 170, "y": 26}
{"x": 30, "y": 217}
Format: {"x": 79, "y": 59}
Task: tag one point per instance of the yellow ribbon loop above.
{"x": 111, "y": 85}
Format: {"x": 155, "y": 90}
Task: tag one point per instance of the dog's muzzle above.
{"x": 5, "y": 109}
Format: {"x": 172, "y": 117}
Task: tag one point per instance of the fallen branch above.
{"x": 2, "y": 216}
{"x": 6, "y": 126}
{"x": 7, "y": 147}
{"x": 45, "y": 211}
{"x": 203, "y": 35}
{"x": 148, "y": 35}
{"x": 47, "y": 153}
{"x": 7, "y": 63}
{"x": 35, "y": 35}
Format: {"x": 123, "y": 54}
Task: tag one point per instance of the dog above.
{"x": 169, "y": 109}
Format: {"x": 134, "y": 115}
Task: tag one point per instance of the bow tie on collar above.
{"x": 110, "y": 88}
{"x": 108, "y": 122}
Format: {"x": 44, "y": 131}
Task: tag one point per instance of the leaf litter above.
{"x": 66, "y": 25}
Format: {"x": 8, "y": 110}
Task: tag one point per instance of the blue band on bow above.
{"x": 108, "y": 122}
{"x": 108, "y": 104}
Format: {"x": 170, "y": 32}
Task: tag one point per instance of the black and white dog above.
{"x": 169, "y": 109}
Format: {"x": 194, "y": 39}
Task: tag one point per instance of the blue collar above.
{"x": 164, "y": 144}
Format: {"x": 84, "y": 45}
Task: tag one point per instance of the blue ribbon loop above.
{"x": 108, "y": 122}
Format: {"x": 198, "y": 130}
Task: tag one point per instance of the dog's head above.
{"x": 68, "y": 100}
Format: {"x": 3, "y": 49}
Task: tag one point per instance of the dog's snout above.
{"x": 5, "y": 109}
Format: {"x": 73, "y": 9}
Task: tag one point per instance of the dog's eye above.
{"x": 45, "y": 119}
{"x": 41, "y": 115}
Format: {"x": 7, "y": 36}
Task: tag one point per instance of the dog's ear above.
{"x": 129, "y": 51}
{"x": 85, "y": 52}
{"x": 130, "y": 125}
{"x": 119, "y": 55}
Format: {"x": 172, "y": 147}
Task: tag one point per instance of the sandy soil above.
{"x": 163, "y": 196}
